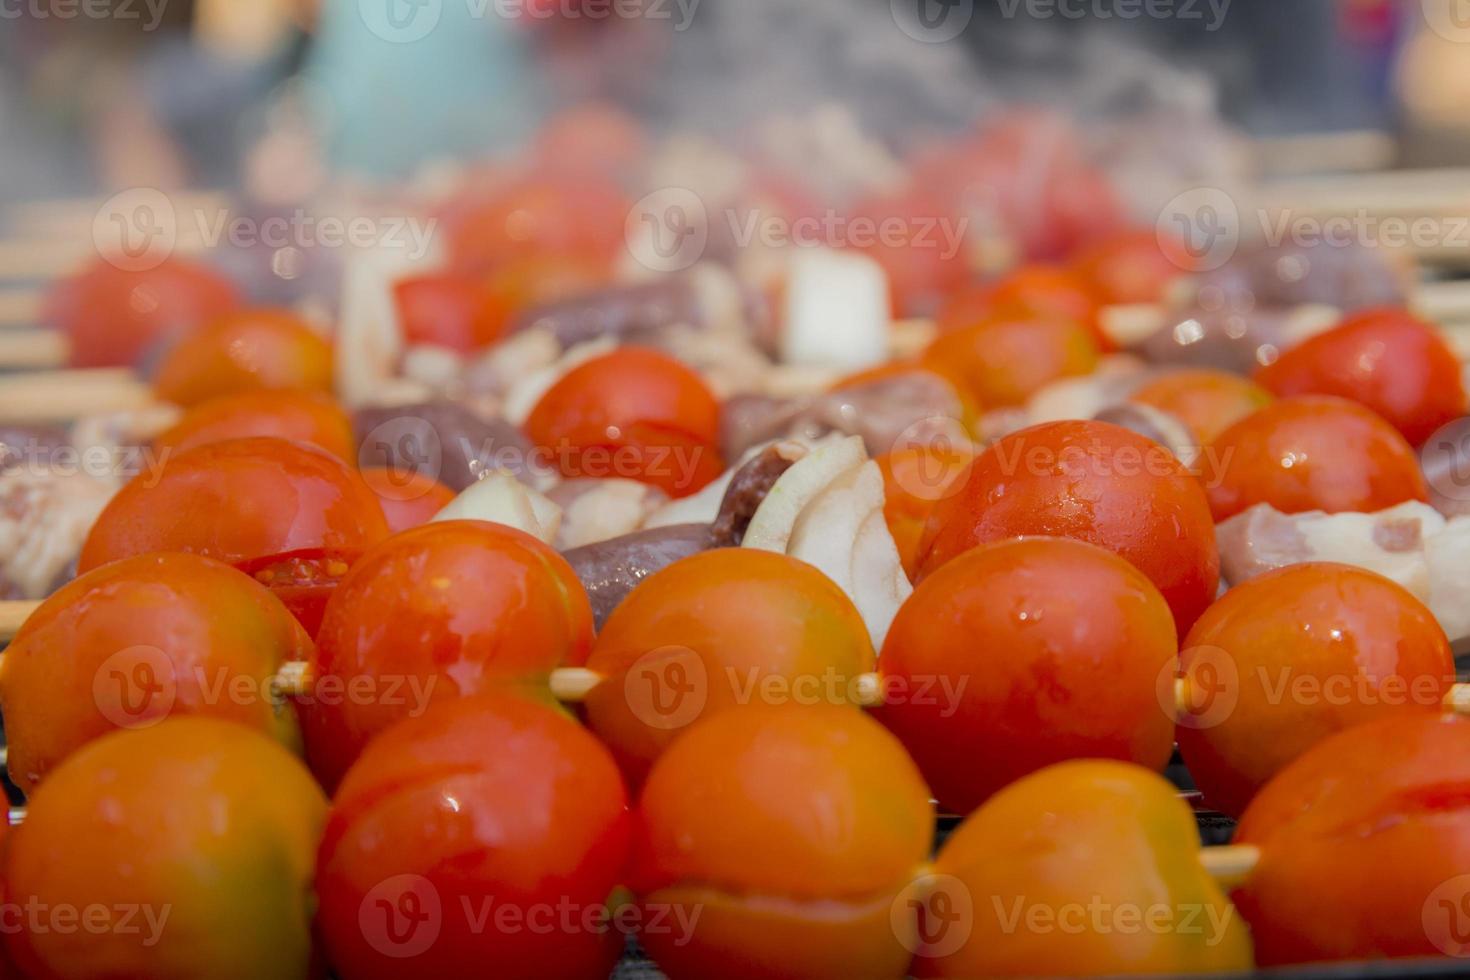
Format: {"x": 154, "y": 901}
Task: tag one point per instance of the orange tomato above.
{"x": 301, "y": 416}
{"x": 1311, "y": 453}
{"x": 1372, "y": 825}
{"x": 138, "y": 640}
{"x": 1136, "y": 266}
{"x": 409, "y": 499}
{"x": 783, "y": 837}
{"x": 490, "y": 830}
{"x": 1209, "y": 402}
{"x": 716, "y": 631}
{"x": 1286, "y": 659}
{"x": 632, "y": 413}
{"x": 291, "y": 515}
{"x": 1002, "y": 362}
{"x": 246, "y": 350}
{"x": 113, "y": 317}
{"x": 1043, "y": 292}
{"x": 437, "y": 612}
{"x": 1387, "y": 359}
{"x": 184, "y": 849}
{"x": 915, "y": 480}
{"x": 1024, "y": 653}
{"x": 1097, "y": 483}
{"x": 1085, "y": 868}
{"x": 575, "y": 215}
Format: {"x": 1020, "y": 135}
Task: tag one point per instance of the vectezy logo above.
{"x": 406, "y": 447}
{"x": 1205, "y": 222}
{"x": 932, "y": 21}
{"x": 135, "y": 687}
{"x": 1450, "y": 19}
{"x": 1445, "y": 459}
{"x": 934, "y": 916}
{"x": 136, "y": 230}
{"x": 401, "y": 21}
{"x": 667, "y": 688}
{"x": 401, "y": 916}
{"x": 1446, "y": 917}
{"x": 667, "y": 230}
{"x": 1202, "y": 690}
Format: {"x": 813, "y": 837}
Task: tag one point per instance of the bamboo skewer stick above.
{"x": 1231, "y": 864}
{"x": 56, "y": 396}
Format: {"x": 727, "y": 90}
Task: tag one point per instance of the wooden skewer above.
{"x": 1232, "y": 864}
{"x": 33, "y": 350}
{"x": 55, "y": 396}
{"x": 20, "y": 307}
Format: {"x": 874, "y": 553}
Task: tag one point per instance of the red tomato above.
{"x": 1372, "y": 823}
{"x": 594, "y": 137}
{"x": 451, "y": 310}
{"x": 1387, "y": 359}
{"x": 1002, "y": 362}
{"x": 1098, "y": 483}
{"x": 914, "y": 239}
{"x": 438, "y": 612}
{"x": 1043, "y": 649}
{"x": 301, "y": 416}
{"x": 242, "y": 502}
{"x": 1032, "y": 291}
{"x": 487, "y": 806}
{"x": 1286, "y": 659}
{"x": 1208, "y": 402}
{"x": 246, "y": 350}
{"x": 409, "y": 499}
{"x": 303, "y": 579}
{"x": 1311, "y": 453}
{"x": 138, "y": 640}
{"x": 115, "y": 317}
{"x": 632, "y": 413}
{"x": 570, "y": 216}
{"x": 1136, "y": 266}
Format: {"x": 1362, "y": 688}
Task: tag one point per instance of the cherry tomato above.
{"x": 913, "y": 239}
{"x": 195, "y": 838}
{"x": 139, "y": 640}
{"x": 784, "y": 837}
{"x": 453, "y": 310}
{"x": 1311, "y": 453}
{"x": 632, "y": 413}
{"x": 1372, "y": 824}
{"x": 915, "y": 480}
{"x": 1031, "y": 292}
{"x": 408, "y": 498}
{"x": 247, "y": 350}
{"x": 592, "y": 137}
{"x": 1209, "y": 402}
{"x": 1081, "y": 851}
{"x": 301, "y": 416}
{"x": 716, "y": 631}
{"x": 1387, "y": 359}
{"x": 247, "y": 502}
{"x": 489, "y": 806}
{"x": 1097, "y": 483}
{"x": 1136, "y": 266}
{"x": 1003, "y": 362}
{"x": 1024, "y": 653}
{"x": 577, "y": 216}
{"x": 438, "y": 612}
{"x": 1286, "y": 659}
{"x": 115, "y": 317}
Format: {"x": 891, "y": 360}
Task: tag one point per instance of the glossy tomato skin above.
{"x": 1080, "y": 835}
{"x": 1033, "y": 291}
{"x": 1287, "y": 659}
{"x": 712, "y": 632}
{"x": 114, "y": 317}
{"x": 434, "y": 613}
{"x": 300, "y": 416}
{"x": 632, "y": 413}
{"x": 240, "y": 501}
{"x": 1384, "y": 802}
{"x": 197, "y": 836}
{"x": 915, "y": 480}
{"x": 246, "y": 350}
{"x": 1001, "y": 363}
{"x": 1098, "y": 483}
{"x": 1389, "y": 360}
{"x": 795, "y": 831}
{"x": 479, "y": 806}
{"x": 1030, "y": 652}
{"x": 1311, "y": 452}
{"x": 139, "y": 640}
{"x": 449, "y": 309}
{"x": 1209, "y": 402}
{"x": 409, "y": 499}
